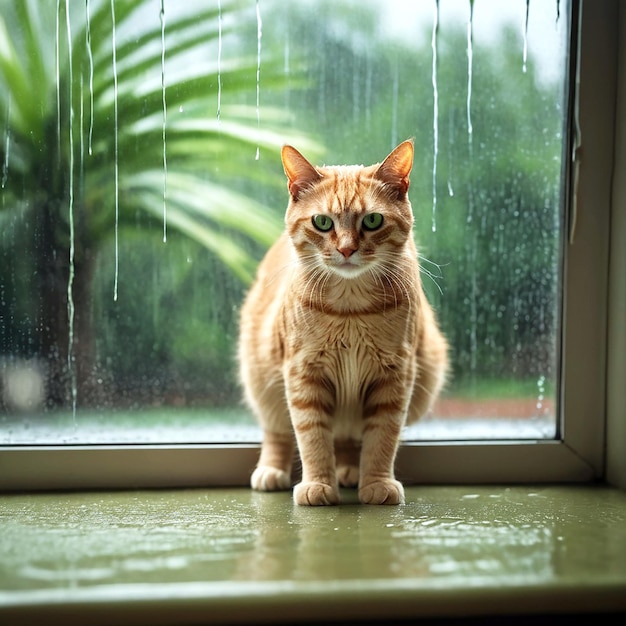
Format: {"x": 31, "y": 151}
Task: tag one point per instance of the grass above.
{"x": 497, "y": 389}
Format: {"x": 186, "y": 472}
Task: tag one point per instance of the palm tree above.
{"x": 111, "y": 110}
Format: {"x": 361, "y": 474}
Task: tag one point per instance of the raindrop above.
{"x": 90, "y": 56}
{"x": 70, "y": 282}
{"x": 115, "y": 158}
{"x": 259, "y": 33}
{"x": 558, "y": 10}
{"x": 470, "y": 128}
{"x": 219, "y": 60}
{"x": 541, "y": 391}
{"x": 162, "y": 17}
{"x": 7, "y": 144}
{"x": 470, "y": 59}
{"x": 82, "y": 128}
{"x": 525, "y": 51}
{"x": 434, "y": 45}
{"x": 57, "y": 72}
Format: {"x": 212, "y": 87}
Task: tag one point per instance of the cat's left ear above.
{"x": 395, "y": 169}
{"x": 300, "y": 173}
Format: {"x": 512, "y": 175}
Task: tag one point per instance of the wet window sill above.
{"x": 231, "y": 555}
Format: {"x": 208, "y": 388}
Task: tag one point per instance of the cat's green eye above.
{"x": 372, "y": 221}
{"x": 322, "y": 222}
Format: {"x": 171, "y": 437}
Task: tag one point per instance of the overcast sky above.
{"x": 545, "y": 39}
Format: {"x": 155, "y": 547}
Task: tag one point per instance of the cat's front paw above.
{"x": 386, "y": 491}
{"x": 315, "y": 494}
{"x": 348, "y": 475}
{"x": 267, "y": 478}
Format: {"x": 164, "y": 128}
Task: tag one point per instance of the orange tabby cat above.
{"x": 338, "y": 345}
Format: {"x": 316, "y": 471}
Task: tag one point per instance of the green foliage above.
{"x": 494, "y": 257}
{"x": 104, "y": 131}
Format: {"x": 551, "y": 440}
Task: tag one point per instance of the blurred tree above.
{"x": 86, "y": 150}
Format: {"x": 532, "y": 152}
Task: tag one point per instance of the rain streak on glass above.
{"x": 525, "y": 33}
{"x": 57, "y": 70}
{"x": 90, "y": 57}
{"x": 115, "y": 159}
{"x": 434, "y": 46}
{"x": 162, "y": 18}
{"x": 219, "y": 61}
{"x": 470, "y": 62}
{"x": 470, "y": 128}
{"x": 70, "y": 283}
{"x": 7, "y": 144}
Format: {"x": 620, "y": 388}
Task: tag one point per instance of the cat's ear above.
{"x": 395, "y": 169}
{"x": 300, "y": 173}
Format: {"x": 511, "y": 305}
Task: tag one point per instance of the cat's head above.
{"x": 349, "y": 219}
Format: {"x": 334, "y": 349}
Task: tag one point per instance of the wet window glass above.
{"x": 141, "y": 183}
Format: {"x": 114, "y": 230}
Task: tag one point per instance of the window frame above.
{"x": 580, "y": 453}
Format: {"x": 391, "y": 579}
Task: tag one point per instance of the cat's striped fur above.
{"x": 338, "y": 344}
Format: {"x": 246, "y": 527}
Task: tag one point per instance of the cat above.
{"x": 338, "y": 346}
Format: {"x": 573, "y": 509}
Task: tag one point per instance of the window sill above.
{"x": 232, "y": 555}
{"x": 34, "y": 468}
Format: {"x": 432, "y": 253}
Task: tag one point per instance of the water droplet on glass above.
{"x": 70, "y": 282}
{"x": 90, "y": 57}
{"x": 525, "y": 50}
{"x": 162, "y": 18}
{"x": 470, "y": 62}
{"x": 7, "y": 145}
{"x": 57, "y": 72}
{"x": 434, "y": 46}
{"x": 115, "y": 159}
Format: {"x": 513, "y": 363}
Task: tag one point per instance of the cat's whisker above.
{"x": 433, "y": 278}
{"x": 283, "y": 268}
{"x": 429, "y": 273}
{"x": 375, "y": 273}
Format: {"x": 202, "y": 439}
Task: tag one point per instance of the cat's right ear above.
{"x": 300, "y": 173}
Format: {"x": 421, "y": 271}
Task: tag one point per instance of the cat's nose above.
{"x": 347, "y": 252}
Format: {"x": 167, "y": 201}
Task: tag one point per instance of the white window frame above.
{"x": 593, "y": 407}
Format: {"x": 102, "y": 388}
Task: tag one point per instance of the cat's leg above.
{"x": 347, "y": 454}
{"x": 311, "y": 406}
{"x": 268, "y": 402}
{"x": 319, "y": 480}
{"x": 383, "y": 420}
{"x": 273, "y": 471}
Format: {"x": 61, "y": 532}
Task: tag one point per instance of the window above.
{"x": 142, "y": 183}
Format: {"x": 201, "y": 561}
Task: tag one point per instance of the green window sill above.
{"x": 232, "y": 555}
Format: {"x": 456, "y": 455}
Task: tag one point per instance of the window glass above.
{"x": 141, "y": 183}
